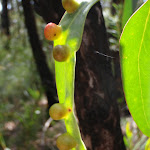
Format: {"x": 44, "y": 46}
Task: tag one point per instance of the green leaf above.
{"x": 128, "y": 9}
{"x": 128, "y": 131}
{"x": 135, "y": 66}
{"x": 2, "y": 141}
{"x": 147, "y": 145}
{"x": 72, "y": 30}
{"x": 73, "y": 25}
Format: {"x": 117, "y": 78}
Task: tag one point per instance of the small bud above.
{"x": 70, "y": 5}
{"x": 66, "y": 142}
{"x": 61, "y": 53}
{"x": 52, "y": 31}
{"x": 58, "y": 111}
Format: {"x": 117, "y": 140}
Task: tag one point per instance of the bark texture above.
{"x": 96, "y": 89}
{"x": 50, "y": 10}
{"x": 39, "y": 56}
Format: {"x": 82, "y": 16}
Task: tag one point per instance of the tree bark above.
{"x": 39, "y": 56}
{"x": 96, "y": 89}
{"x": 5, "y": 18}
{"x": 50, "y": 10}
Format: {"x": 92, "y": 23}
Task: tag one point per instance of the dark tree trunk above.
{"x": 4, "y": 18}
{"x": 50, "y": 10}
{"x": 95, "y": 88}
{"x": 39, "y": 56}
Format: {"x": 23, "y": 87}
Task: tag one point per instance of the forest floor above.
{"x": 22, "y": 123}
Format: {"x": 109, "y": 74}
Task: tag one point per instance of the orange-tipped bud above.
{"x": 52, "y": 31}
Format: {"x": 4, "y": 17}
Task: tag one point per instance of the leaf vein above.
{"x": 139, "y": 68}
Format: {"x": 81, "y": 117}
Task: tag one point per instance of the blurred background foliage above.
{"x": 23, "y": 105}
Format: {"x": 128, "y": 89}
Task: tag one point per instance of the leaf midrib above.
{"x": 139, "y": 73}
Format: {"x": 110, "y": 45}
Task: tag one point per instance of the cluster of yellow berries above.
{"x": 61, "y": 53}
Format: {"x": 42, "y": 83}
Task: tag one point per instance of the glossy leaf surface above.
{"x": 135, "y": 66}
{"x": 127, "y": 11}
{"x": 128, "y": 8}
{"x": 147, "y": 145}
{"x": 72, "y": 30}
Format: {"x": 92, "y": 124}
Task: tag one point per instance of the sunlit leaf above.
{"x": 72, "y": 26}
{"x": 128, "y": 131}
{"x": 128, "y": 8}
{"x": 135, "y": 66}
{"x": 147, "y": 146}
{"x": 127, "y": 11}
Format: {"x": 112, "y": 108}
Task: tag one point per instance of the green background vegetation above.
{"x": 23, "y": 106}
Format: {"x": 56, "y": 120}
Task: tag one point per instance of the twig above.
{"x": 46, "y": 125}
